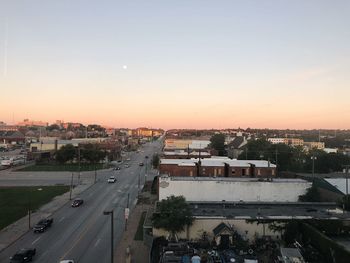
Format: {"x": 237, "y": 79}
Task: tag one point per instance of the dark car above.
{"x": 77, "y": 202}
{"x": 42, "y": 225}
{"x": 23, "y": 255}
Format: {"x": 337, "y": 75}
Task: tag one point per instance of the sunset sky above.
{"x": 176, "y": 64}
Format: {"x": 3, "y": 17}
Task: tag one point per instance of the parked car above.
{"x": 23, "y": 255}
{"x": 67, "y": 261}
{"x": 77, "y": 202}
{"x": 42, "y": 225}
{"x": 141, "y": 164}
{"x": 112, "y": 179}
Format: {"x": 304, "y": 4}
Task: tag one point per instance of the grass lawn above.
{"x": 60, "y": 167}
{"x": 14, "y": 201}
{"x": 139, "y": 232}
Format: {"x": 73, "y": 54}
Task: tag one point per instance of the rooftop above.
{"x": 220, "y": 161}
{"x": 267, "y": 210}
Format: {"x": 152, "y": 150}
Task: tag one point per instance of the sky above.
{"x": 177, "y": 63}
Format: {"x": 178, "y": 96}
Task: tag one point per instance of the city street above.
{"x": 83, "y": 233}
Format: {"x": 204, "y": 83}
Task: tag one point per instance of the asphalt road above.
{"x": 83, "y": 233}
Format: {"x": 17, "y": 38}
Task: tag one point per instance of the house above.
{"x": 235, "y": 147}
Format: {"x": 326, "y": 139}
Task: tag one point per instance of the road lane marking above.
{"x": 36, "y": 240}
{"x": 98, "y": 241}
{"x": 61, "y": 219}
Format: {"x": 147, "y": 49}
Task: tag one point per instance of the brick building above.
{"x": 217, "y": 167}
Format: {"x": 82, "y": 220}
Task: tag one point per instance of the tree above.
{"x": 217, "y": 142}
{"x": 65, "y": 153}
{"x": 312, "y": 195}
{"x": 173, "y": 214}
{"x": 92, "y": 154}
{"x": 155, "y": 161}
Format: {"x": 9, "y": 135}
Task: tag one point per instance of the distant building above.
{"x": 278, "y": 140}
{"x": 5, "y": 127}
{"x": 27, "y": 122}
{"x": 184, "y": 144}
{"x": 330, "y": 150}
{"x": 182, "y": 154}
{"x": 314, "y": 145}
{"x": 11, "y": 137}
{"x": 217, "y": 166}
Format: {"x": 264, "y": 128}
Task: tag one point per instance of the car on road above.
{"x": 77, "y": 202}
{"x": 146, "y": 156}
{"x": 23, "y": 255}
{"x": 127, "y": 166}
{"x": 67, "y": 261}
{"x": 112, "y": 179}
{"x": 42, "y": 225}
{"x": 116, "y": 168}
{"x": 141, "y": 164}
{"x": 128, "y": 159}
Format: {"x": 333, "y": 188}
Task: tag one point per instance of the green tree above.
{"x": 217, "y": 142}
{"x": 312, "y": 195}
{"x": 173, "y": 214}
{"x": 155, "y": 161}
{"x": 65, "y": 153}
{"x": 92, "y": 154}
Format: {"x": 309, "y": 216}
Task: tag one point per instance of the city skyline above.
{"x": 196, "y": 64}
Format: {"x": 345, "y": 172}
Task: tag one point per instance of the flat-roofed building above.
{"x": 233, "y": 189}
{"x": 217, "y": 167}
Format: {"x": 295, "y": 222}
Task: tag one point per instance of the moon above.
{"x": 125, "y": 67}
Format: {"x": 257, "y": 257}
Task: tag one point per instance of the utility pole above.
{"x": 313, "y": 158}
{"x": 95, "y": 174}
{"x": 127, "y": 213}
{"x": 79, "y": 163}
{"x": 71, "y": 187}
{"x": 347, "y": 184}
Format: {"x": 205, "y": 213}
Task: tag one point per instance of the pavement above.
{"x": 130, "y": 250}
{"x": 83, "y": 233}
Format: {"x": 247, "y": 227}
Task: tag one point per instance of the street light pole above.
{"x": 71, "y": 187}
{"x": 313, "y": 158}
{"x": 110, "y": 212}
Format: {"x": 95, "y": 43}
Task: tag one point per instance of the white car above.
{"x": 112, "y": 179}
{"x": 67, "y": 261}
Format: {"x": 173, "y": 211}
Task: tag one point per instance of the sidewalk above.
{"x": 139, "y": 252}
{"x": 11, "y": 233}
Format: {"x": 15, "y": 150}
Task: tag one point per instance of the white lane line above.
{"x": 61, "y": 219}
{"x": 98, "y": 241}
{"x": 36, "y": 240}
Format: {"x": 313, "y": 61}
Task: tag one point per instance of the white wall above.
{"x": 247, "y": 230}
{"x": 247, "y": 190}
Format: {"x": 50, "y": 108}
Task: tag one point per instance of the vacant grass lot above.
{"x": 15, "y": 201}
{"x": 60, "y": 167}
